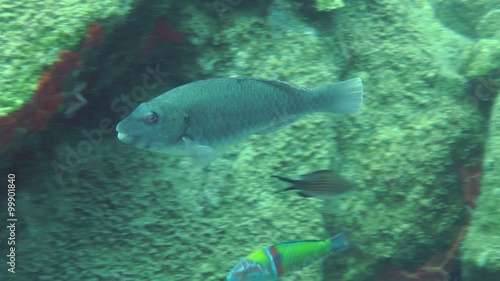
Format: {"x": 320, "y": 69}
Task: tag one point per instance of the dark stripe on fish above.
{"x": 276, "y": 261}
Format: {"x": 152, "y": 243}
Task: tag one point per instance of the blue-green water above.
{"x": 85, "y": 206}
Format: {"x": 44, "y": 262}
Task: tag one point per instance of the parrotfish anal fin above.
{"x": 202, "y": 155}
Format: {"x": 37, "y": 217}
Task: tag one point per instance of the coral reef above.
{"x": 481, "y": 246}
{"x": 464, "y": 16}
{"x": 36, "y": 60}
{"x": 35, "y": 114}
{"x": 488, "y": 25}
{"x": 485, "y": 58}
{"x": 399, "y": 149}
{"x": 437, "y": 268}
{"x": 35, "y": 34}
{"x": 478, "y": 20}
{"x": 440, "y": 267}
{"x": 119, "y": 212}
{"x": 162, "y": 33}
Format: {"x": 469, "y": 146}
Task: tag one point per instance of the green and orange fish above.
{"x": 273, "y": 262}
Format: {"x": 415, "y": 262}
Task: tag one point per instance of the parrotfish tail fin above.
{"x": 339, "y": 242}
{"x": 343, "y": 98}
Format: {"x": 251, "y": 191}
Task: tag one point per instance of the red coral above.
{"x": 35, "y": 114}
{"x": 437, "y": 268}
{"x": 162, "y": 33}
{"x": 95, "y": 37}
{"x": 8, "y": 126}
{"x": 471, "y": 184}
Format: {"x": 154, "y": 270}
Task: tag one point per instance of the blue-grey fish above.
{"x": 324, "y": 184}
{"x": 198, "y": 118}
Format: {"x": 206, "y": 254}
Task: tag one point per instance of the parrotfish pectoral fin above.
{"x": 202, "y": 155}
{"x": 339, "y": 243}
{"x": 344, "y": 97}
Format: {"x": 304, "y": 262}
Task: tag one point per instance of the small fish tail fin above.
{"x": 339, "y": 242}
{"x": 293, "y": 182}
{"x": 344, "y": 97}
{"x": 286, "y": 180}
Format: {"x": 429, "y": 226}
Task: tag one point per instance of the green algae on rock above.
{"x": 481, "y": 247}
{"x": 488, "y": 25}
{"x": 126, "y": 213}
{"x": 485, "y": 58}
{"x": 464, "y": 16}
{"x": 35, "y": 33}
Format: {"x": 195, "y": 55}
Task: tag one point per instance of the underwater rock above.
{"x": 35, "y": 34}
{"x": 481, "y": 247}
{"x": 463, "y": 15}
{"x": 485, "y": 58}
{"x": 126, "y": 214}
{"x": 488, "y": 26}
{"x": 36, "y": 60}
{"x": 397, "y": 151}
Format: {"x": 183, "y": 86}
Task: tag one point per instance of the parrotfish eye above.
{"x": 150, "y": 117}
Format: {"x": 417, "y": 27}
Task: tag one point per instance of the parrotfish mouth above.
{"x": 133, "y": 140}
{"x": 127, "y": 138}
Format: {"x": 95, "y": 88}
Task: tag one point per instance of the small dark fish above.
{"x": 320, "y": 184}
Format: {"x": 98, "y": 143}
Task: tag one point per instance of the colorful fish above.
{"x": 273, "y": 262}
{"x": 324, "y": 184}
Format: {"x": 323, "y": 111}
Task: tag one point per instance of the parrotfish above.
{"x": 199, "y": 118}
{"x": 324, "y": 184}
{"x": 275, "y": 261}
